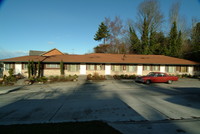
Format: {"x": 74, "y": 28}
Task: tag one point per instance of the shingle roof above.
{"x": 106, "y": 58}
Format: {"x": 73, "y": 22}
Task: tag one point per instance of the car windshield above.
{"x": 151, "y": 74}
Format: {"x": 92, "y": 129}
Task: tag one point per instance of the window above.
{"x": 197, "y": 68}
{"x": 147, "y": 68}
{"x": 52, "y": 65}
{"x": 91, "y": 67}
{"x": 131, "y": 68}
{"x": 8, "y": 66}
{"x": 100, "y": 67}
{"x": 25, "y": 66}
{"x": 155, "y": 68}
{"x": 73, "y": 67}
{"x": 161, "y": 75}
{"x": 170, "y": 69}
{"x": 117, "y": 68}
{"x": 183, "y": 69}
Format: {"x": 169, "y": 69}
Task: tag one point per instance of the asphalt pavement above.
{"x": 125, "y": 105}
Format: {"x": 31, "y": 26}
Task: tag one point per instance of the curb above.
{"x": 10, "y": 90}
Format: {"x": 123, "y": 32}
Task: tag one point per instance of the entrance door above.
{"x": 18, "y": 68}
{"x": 107, "y": 69}
{"x": 83, "y": 69}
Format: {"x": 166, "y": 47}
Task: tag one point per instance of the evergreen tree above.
{"x": 134, "y": 41}
{"x": 179, "y": 45}
{"x": 195, "y": 54}
{"x": 29, "y": 69}
{"x": 144, "y": 38}
{"x": 62, "y": 68}
{"x": 152, "y": 43}
{"x": 102, "y": 33}
{"x": 33, "y": 68}
{"x": 172, "y": 48}
{"x": 39, "y": 69}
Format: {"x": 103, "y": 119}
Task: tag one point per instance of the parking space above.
{"x": 113, "y": 101}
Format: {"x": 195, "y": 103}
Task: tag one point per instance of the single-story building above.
{"x": 104, "y": 64}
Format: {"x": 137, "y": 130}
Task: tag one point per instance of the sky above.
{"x": 68, "y": 25}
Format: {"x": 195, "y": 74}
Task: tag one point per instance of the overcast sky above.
{"x": 68, "y": 25}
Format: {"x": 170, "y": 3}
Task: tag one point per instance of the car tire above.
{"x": 169, "y": 81}
{"x": 148, "y": 82}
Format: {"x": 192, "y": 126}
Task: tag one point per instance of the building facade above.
{"x": 103, "y": 64}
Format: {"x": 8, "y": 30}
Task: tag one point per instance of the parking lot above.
{"x": 125, "y": 105}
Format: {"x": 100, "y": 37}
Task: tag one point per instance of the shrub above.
{"x": 95, "y": 76}
{"x": 62, "y": 78}
{"x": 122, "y": 76}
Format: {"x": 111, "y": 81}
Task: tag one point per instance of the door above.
{"x": 107, "y": 69}
{"x": 18, "y": 68}
{"x": 83, "y": 69}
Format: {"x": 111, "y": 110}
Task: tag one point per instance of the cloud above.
{"x": 51, "y": 42}
{"x": 4, "y": 54}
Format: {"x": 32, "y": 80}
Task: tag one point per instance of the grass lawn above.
{"x": 94, "y": 127}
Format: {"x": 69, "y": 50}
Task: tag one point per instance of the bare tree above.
{"x": 174, "y": 16}
{"x": 174, "y": 13}
{"x": 117, "y": 32}
{"x": 149, "y": 10}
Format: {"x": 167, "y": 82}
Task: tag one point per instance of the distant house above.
{"x": 104, "y": 64}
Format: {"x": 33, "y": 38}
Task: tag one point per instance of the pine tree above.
{"x": 102, "y": 33}
{"x": 172, "y": 48}
{"x": 195, "y": 54}
{"x": 179, "y": 45}
{"x": 39, "y": 69}
{"x": 134, "y": 41}
{"x": 62, "y": 68}
{"x": 144, "y": 38}
{"x": 152, "y": 43}
{"x": 29, "y": 69}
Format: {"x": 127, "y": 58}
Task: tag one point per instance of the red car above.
{"x": 156, "y": 77}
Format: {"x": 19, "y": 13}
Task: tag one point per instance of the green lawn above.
{"x": 94, "y": 127}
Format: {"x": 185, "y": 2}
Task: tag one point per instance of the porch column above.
{"x": 139, "y": 69}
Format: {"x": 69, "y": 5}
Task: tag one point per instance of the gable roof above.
{"x": 52, "y": 52}
{"x": 105, "y": 58}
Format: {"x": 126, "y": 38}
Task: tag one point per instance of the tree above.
{"x": 102, "y": 48}
{"x": 102, "y": 33}
{"x": 62, "y": 71}
{"x": 135, "y": 46}
{"x": 195, "y": 40}
{"x": 181, "y": 22}
{"x": 117, "y": 33}
{"x": 39, "y": 69}
{"x": 149, "y": 11}
{"x": 29, "y": 69}
{"x": 172, "y": 40}
{"x": 144, "y": 38}
{"x": 175, "y": 41}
